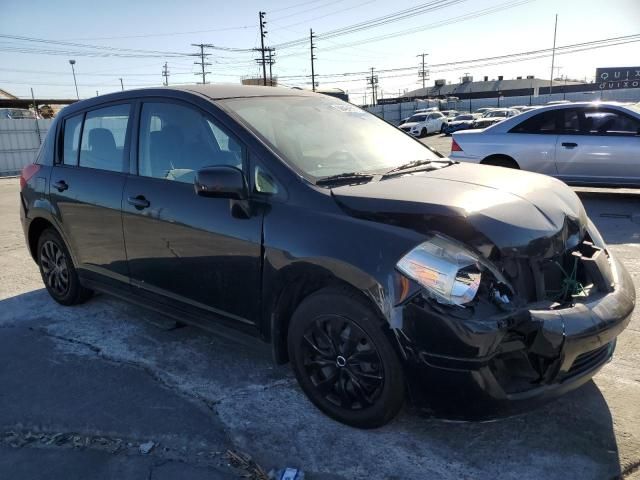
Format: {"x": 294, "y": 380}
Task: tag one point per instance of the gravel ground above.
{"x": 108, "y": 390}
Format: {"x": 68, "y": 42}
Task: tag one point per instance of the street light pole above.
{"x": 73, "y": 70}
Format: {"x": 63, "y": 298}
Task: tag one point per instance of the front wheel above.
{"x": 343, "y": 361}
{"x": 424, "y": 132}
{"x": 57, "y": 270}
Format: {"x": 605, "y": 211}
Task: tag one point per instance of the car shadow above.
{"x": 266, "y": 415}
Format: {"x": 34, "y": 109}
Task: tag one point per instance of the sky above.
{"x": 164, "y": 31}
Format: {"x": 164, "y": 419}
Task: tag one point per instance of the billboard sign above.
{"x": 613, "y": 78}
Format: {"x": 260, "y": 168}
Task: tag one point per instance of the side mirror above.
{"x": 221, "y": 182}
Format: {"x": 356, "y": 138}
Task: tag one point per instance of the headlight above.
{"x": 447, "y": 270}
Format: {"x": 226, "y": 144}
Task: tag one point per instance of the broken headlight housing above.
{"x": 449, "y": 272}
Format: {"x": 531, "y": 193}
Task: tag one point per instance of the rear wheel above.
{"x": 58, "y": 273}
{"x": 501, "y": 161}
{"x": 343, "y": 361}
{"x": 442, "y": 128}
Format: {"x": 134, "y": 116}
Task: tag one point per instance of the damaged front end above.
{"x": 525, "y": 327}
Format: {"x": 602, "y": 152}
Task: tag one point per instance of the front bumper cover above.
{"x": 480, "y": 369}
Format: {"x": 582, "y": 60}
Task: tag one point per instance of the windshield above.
{"x": 417, "y": 118}
{"x": 464, "y": 117}
{"x": 322, "y": 136}
{"x": 495, "y": 114}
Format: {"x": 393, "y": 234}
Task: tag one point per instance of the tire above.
{"x": 343, "y": 360}
{"x": 442, "y": 129}
{"x": 424, "y": 132}
{"x": 501, "y": 161}
{"x": 57, "y": 270}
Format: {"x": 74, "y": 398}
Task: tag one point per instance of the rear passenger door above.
{"x": 599, "y": 145}
{"x": 533, "y": 142}
{"x": 86, "y": 186}
{"x": 184, "y": 249}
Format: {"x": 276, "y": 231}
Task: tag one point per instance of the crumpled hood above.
{"x": 519, "y": 212}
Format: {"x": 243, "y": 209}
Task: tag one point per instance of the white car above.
{"x": 422, "y": 124}
{"x": 580, "y": 143}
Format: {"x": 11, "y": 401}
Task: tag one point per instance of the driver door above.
{"x": 183, "y": 248}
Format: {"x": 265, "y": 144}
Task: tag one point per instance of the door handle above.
{"x": 138, "y": 202}
{"x": 61, "y": 185}
{"x": 569, "y": 144}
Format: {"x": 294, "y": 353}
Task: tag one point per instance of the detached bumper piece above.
{"x": 481, "y": 368}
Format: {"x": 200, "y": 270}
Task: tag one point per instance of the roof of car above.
{"x": 221, "y": 91}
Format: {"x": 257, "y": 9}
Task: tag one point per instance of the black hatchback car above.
{"x": 377, "y": 267}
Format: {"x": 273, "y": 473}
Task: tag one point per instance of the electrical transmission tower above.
{"x": 372, "y": 83}
{"x": 202, "y": 61}
{"x": 313, "y": 58}
{"x": 165, "y": 74}
{"x": 423, "y": 73}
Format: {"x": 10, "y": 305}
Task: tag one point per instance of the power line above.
{"x": 469, "y": 16}
{"x": 379, "y": 21}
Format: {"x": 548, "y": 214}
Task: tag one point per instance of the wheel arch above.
{"x": 36, "y": 227}
{"x": 299, "y": 281}
{"x": 501, "y": 160}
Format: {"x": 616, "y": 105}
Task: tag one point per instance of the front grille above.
{"x": 587, "y": 361}
{"x": 406, "y": 129}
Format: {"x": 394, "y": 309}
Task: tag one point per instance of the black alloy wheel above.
{"x": 342, "y": 362}
{"x": 343, "y": 358}
{"x": 58, "y": 272}
{"x": 55, "y": 271}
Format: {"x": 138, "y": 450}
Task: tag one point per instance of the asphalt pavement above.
{"x": 109, "y": 390}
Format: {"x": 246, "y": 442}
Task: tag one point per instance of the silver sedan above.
{"x": 584, "y": 143}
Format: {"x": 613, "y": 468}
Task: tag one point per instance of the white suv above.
{"x": 422, "y": 124}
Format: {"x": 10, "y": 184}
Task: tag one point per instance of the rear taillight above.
{"x": 28, "y": 172}
{"x": 454, "y": 146}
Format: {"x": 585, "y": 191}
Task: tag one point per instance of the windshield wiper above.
{"x": 416, "y": 165}
{"x": 340, "y": 177}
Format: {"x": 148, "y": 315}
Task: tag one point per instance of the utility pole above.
{"x": 271, "y": 52}
{"x": 73, "y": 70}
{"x": 165, "y": 74}
{"x": 202, "y": 61}
{"x": 313, "y": 57}
{"x": 373, "y": 82}
{"x": 423, "y": 73}
{"x": 121, "y": 85}
{"x": 553, "y": 54}
{"x": 35, "y": 107}
{"x": 263, "y": 33}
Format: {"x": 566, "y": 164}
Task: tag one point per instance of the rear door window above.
{"x": 71, "y": 139}
{"x": 542, "y": 123}
{"x": 104, "y": 138}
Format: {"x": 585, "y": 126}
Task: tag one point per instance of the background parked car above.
{"x": 494, "y": 116}
{"x": 422, "y": 124}
{"x": 460, "y": 122}
{"x": 17, "y": 113}
{"x": 580, "y": 143}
